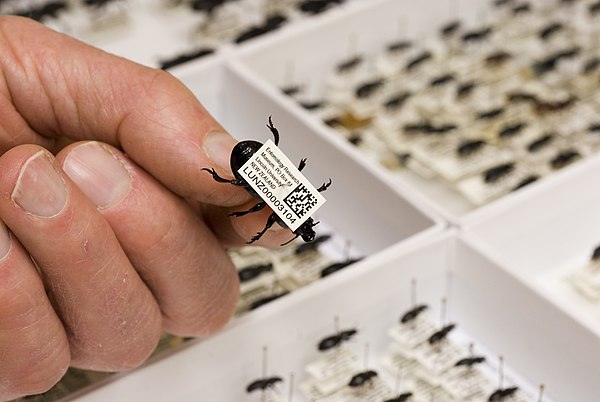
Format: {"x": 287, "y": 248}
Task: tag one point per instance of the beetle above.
{"x": 596, "y": 254}
{"x": 440, "y": 335}
{"x": 254, "y": 271}
{"x": 267, "y": 299}
{"x": 470, "y": 361}
{"x": 401, "y": 398}
{"x": 337, "y": 266}
{"x": 336, "y": 340}
{"x": 98, "y": 3}
{"x": 492, "y": 175}
{"x": 526, "y": 181}
{"x": 469, "y": 148}
{"x": 361, "y": 379}
{"x": 185, "y": 57}
{"x": 413, "y": 313}
{"x": 502, "y": 394}
{"x": 263, "y": 384}
{"x": 240, "y": 154}
{"x": 564, "y": 158}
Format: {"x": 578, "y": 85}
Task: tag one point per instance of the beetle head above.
{"x": 306, "y": 230}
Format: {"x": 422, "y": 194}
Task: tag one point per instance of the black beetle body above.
{"x": 361, "y": 379}
{"x": 241, "y": 154}
{"x": 470, "y": 361}
{"x": 336, "y": 340}
{"x": 401, "y": 398}
{"x": 502, "y": 394}
{"x": 262, "y": 384}
{"x": 440, "y": 335}
{"x": 413, "y": 313}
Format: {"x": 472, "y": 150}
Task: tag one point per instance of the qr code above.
{"x": 301, "y": 200}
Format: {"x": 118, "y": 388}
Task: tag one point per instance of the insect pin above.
{"x": 240, "y": 154}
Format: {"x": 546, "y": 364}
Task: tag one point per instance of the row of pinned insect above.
{"x": 425, "y": 362}
{"x": 217, "y": 21}
{"x": 266, "y": 275}
{"x": 586, "y": 279}
{"x": 48, "y": 11}
{"x": 484, "y": 109}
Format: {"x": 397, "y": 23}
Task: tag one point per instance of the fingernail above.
{"x": 40, "y": 190}
{"x": 4, "y": 241}
{"x": 98, "y": 173}
{"x": 218, "y": 146}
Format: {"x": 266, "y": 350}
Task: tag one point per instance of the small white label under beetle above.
{"x": 281, "y": 185}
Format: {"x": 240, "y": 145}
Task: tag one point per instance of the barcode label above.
{"x": 281, "y": 185}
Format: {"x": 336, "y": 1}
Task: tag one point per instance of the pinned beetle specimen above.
{"x": 336, "y": 340}
{"x": 254, "y": 271}
{"x": 401, "y": 398}
{"x": 263, "y": 384}
{"x": 526, "y": 181}
{"x": 490, "y": 114}
{"x": 413, "y": 313}
{"x": 418, "y": 60}
{"x": 494, "y": 174}
{"x": 337, "y": 266}
{"x": 185, "y": 57}
{"x": 240, "y": 154}
{"x": 271, "y": 24}
{"x": 367, "y": 89}
{"x": 363, "y": 378}
{"x": 469, "y": 148}
{"x": 565, "y": 158}
{"x": 261, "y": 302}
{"x": 440, "y": 335}
{"x": 349, "y": 65}
{"x": 503, "y": 394}
{"x": 314, "y": 7}
{"x": 469, "y": 361}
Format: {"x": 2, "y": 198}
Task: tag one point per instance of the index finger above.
{"x": 62, "y": 87}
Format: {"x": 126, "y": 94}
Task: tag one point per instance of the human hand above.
{"x": 120, "y": 236}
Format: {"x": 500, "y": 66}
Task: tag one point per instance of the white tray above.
{"x": 544, "y": 237}
{"x": 315, "y": 47}
{"x": 349, "y": 209}
{"x": 537, "y": 339}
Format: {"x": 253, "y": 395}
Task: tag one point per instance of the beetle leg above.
{"x": 302, "y": 164}
{"x": 270, "y": 222}
{"x": 325, "y": 186}
{"x": 291, "y": 240}
{"x": 274, "y": 131}
{"x": 255, "y": 208}
{"x": 235, "y": 182}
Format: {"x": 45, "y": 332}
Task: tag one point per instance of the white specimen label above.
{"x": 281, "y": 185}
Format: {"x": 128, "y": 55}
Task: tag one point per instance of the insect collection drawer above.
{"x": 461, "y": 139}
